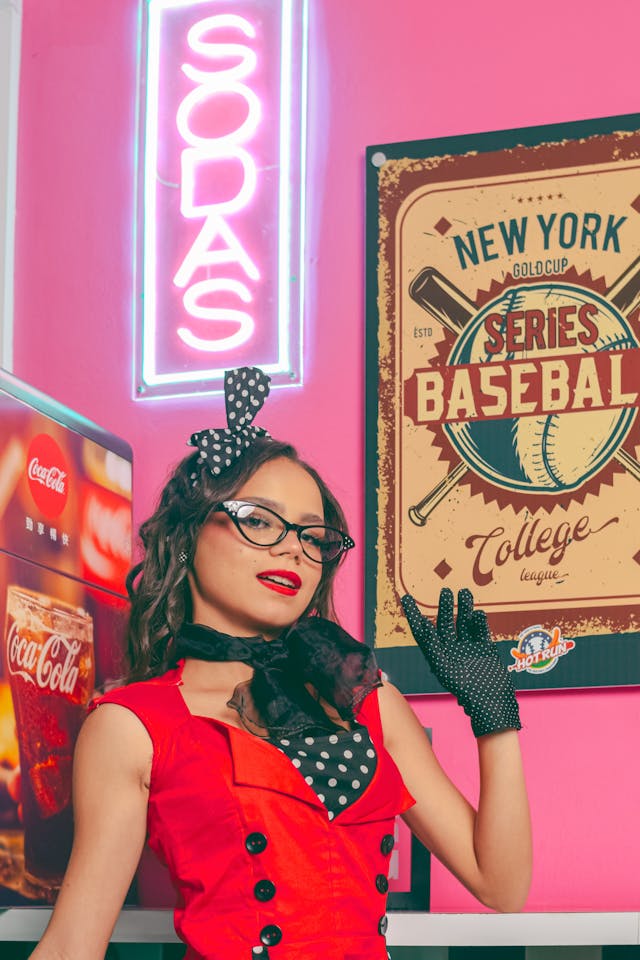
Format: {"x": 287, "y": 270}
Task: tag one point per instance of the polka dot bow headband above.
{"x": 245, "y": 391}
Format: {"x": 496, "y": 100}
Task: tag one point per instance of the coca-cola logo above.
{"x": 52, "y": 665}
{"x": 48, "y": 475}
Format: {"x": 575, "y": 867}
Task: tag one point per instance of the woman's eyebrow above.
{"x": 279, "y": 508}
{"x": 312, "y": 518}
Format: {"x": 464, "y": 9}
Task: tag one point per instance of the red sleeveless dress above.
{"x": 260, "y": 869}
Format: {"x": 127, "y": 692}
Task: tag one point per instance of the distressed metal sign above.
{"x": 504, "y": 384}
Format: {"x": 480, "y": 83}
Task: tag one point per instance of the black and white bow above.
{"x": 245, "y": 390}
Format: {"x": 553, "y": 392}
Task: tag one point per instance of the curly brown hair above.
{"x": 158, "y": 586}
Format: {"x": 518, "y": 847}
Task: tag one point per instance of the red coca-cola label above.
{"x": 48, "y": 475}
{"x": 52, "y": 665}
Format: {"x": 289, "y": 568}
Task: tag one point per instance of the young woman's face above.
{"x": 243, "y": 589}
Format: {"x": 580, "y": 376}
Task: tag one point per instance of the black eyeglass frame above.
{"x": 230, "y": 508}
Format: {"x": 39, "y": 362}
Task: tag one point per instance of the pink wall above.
{"x": 379, "y": 72}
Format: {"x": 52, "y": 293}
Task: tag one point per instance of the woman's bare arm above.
{"x": 112, "y": 765}
{"x": 489, "y": 850}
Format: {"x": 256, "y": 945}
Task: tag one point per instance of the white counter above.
{"x": 405, "y": 929}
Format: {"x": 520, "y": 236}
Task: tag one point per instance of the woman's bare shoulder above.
{"x": 399, "y": 723}
{"x": 113, "y": 730}
{"x": 390, "y": 699}
{"x": 109, "y": 716}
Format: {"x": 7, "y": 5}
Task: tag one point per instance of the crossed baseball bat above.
{"x": 450, "y": 307}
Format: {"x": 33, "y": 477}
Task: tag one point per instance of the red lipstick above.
{"x": 285, "y": 582}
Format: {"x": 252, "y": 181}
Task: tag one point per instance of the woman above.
{"x": 258, "y": 750}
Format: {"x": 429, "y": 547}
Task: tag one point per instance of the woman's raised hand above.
{"x": 465, "y": 661}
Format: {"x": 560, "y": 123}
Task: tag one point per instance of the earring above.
{"x": 182, "y": 558}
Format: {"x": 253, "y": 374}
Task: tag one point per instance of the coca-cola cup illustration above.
{"x": 50, "y": 664}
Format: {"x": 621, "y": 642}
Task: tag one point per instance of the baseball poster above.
{"x": 503, "y": 385}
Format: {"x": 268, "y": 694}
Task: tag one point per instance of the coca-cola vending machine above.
{"x": 65, "y": 549}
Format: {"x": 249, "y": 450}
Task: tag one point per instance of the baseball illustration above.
{"x": 551, "y": 451}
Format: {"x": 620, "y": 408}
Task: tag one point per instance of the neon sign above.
{"x": 220, "y": 210}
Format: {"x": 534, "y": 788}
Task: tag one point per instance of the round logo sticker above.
{"x": 539, "y": 650}
{"x": 48, "y": 475}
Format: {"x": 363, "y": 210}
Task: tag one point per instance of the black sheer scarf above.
{"x": 314, "y": 653}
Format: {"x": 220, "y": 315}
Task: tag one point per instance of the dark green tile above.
{"x": 487, "y": 953}
{"x": 16, "y": 951}
{"x": 173, "y": 951}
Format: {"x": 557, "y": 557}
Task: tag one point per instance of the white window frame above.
{"x": 10, "y": 36}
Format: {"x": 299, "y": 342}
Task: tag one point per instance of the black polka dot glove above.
{"x": 463, "y": 657}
